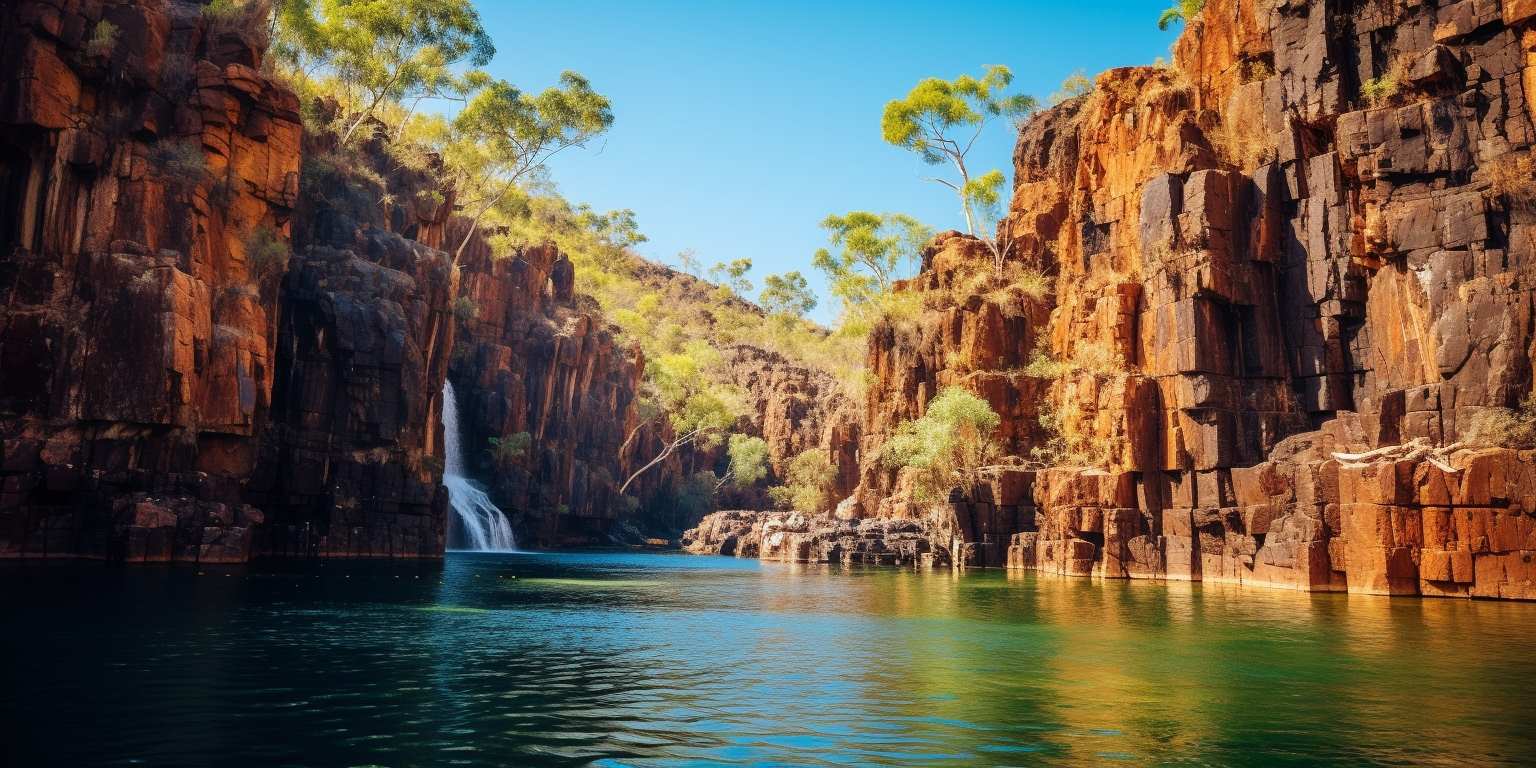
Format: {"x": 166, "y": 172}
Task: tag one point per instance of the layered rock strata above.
{"x": 148, "y": 177}
{"x": 1286, "y": 276}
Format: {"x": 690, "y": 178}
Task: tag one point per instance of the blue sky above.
{"x": 740, "y": 125}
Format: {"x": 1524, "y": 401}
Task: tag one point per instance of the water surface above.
{"x": 649, "y": 659}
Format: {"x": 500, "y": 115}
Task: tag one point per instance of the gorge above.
{"x": 297, "y": 397}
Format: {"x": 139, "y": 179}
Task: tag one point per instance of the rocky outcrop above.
{"x": 1287, "y": 276}
{"x": 148, "y": 175}
{"x": 793, "y": 537}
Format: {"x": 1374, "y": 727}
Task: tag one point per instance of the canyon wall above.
{"x": 148, "y": 176}
{"x": 223, "y": 337}
{"x": 536, "y": 357}
{"x": 1296, "y": 300}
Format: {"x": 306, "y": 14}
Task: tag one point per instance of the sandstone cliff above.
{"x": 147, "y": 183}
{"x": 1283, "y": 275}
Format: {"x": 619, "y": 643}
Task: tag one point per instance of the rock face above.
{"x": 538, "y": 358}
{"x": 793, "y": 537}
{"x": 147, "y": 182}
{"x": 1285, "y": 275}
{"x": 795, "y": 409}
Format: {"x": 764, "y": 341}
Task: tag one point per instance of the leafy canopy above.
{"x": 381, "y": 51}
{"x": 733, "y": 275}
{"x": 941, "y": 120}
{"x": 748, "y": 460}
{"x": 1181, "y": 12}
{"x": 787, "y": 295}
{"x": 873, "y": 250}
{"x": 503, "y": 134}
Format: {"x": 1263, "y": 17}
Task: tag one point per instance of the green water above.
{"x": 645, "y": 659}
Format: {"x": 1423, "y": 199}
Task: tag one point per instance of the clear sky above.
{"x": 740, "y": 124}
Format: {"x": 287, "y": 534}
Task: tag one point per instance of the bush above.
{"x": 1513, "y": 177}
{"x": 1504, "y": 427}
{"x": 1065, "y": 445}
{"x": 947, "y": 447}
{"x": 507, "y": 449}
{"x": 1095, "y": 357}
{"x": 179, "y": 161}
{"x": 465, "y": 309}
{"x": 808, "y": 483}
{"x": 103, "y": 39}
{"x": 266, "y": 253}
{"x": 1378, "y": 90}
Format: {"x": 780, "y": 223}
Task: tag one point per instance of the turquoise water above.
{"x": 652, "y": 659}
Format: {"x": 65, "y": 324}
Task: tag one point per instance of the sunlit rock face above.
{"x": 1288, "y": 271}
{"x": 145, "y": 187}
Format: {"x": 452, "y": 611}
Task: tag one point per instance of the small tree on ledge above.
{"x": 941, "y": 120}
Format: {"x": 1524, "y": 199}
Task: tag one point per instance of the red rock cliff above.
{"x": 1288, "y": 276}
{"x": 147, "y": 181}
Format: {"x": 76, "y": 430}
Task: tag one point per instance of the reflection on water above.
{"x": 642, "y": 659}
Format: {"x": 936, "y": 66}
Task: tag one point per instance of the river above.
{"x": 659, "y": 659}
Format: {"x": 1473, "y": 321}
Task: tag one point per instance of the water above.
{"x": 653, "y": 659}
{"x": 483, "y": 526}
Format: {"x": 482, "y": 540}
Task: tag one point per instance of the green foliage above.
{"x": 787, "y": 294}
{"x": 748, "y": 460}
{"x": 688, "y": 262}
{"x": 809, "y": 480}
{"x": 465, "y": 309}
{"x": 1077, "y": 84}
{"x": 1181, "y": 12}
{"x": 1503, "y": 427}
{"x": 506, "y": 450}
{"x": 947, "y": 447}
{"x": 1092, "y": 357}
{"x": 733, "y": 275}
{"x": 502, "y": 135}
{"x": 266, "y": 253}
{"x": 940, "y": 120}
{"x": 1379, "y": 90}
{"x": 103, "y": 39}
{"x": 379, "y": 52}
{"x": 873, "y": 251}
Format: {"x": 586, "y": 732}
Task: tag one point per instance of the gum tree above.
{"x": 503, "y": 135}
{"x": 385, "y": 52}
{"x": 787, "y": 295}
{"x": 872, "y": 251}
{"x": 941, "y": 120}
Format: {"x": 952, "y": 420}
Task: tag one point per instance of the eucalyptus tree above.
{"x": 503, "y": 135}
{"x": 872, "y": 251}
{"x": 788, "y": 295}
{"x": 941, "y": 120}
{"x": 733, "y": 275}
{"x": 385, "y": 52}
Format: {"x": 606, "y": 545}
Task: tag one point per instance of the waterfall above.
{"x": 486, "y": 528}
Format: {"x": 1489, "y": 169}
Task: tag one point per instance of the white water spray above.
{"x": 486, "y": 528}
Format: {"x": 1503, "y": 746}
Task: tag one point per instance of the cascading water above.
{"x": 486, "y": 528}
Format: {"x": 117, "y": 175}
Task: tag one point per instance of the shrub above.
{"x": 808, "y": 483}
{"x": 179, "y": 161}
{"x": 1504, "y": 427}
{"x": 1065, "y": 445}
{"x": 465, "y": 309}
{"x": 1378, "y": 90}
{"x": 1513, "y": 177}
{"x": 947, "y": 447}
{"x": 509, "y": 448}
{"x": 103, "y": 39}
{"x": 266, "y": 253}
{"x": 1076, "y": 84}
{"x": 748, "y": 460}
{"x": 1095, "y": 357}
